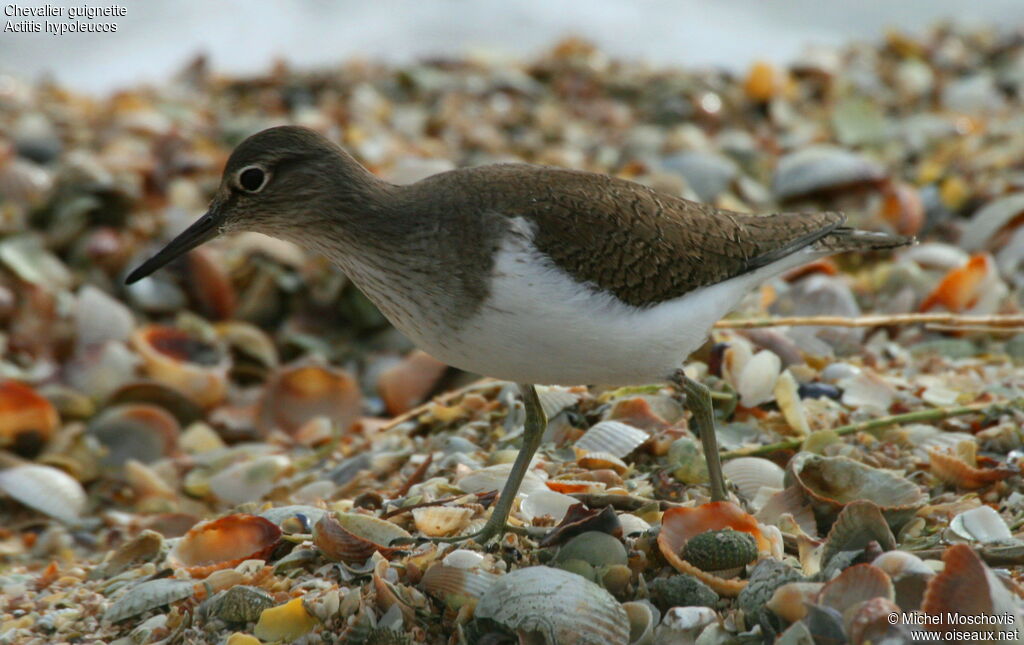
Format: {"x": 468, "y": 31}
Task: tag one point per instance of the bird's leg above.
{"x": 698, "y": 399}
{"x": 533, "y": 431}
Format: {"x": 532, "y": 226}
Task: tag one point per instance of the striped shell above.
{"x": 751, "y": 474}
{"x": 352, "y": 538}
{"x": 456, "y": 586}
{"x": 45, "y": 489}
{"x": 612, "y": 437}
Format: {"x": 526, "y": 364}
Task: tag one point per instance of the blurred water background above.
{"x": 158, "y": 37}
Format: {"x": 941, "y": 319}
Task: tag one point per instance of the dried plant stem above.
{"x": 880, "y": 320}
{"x": 933, "y": 414}
{"x": 996, "y": 556}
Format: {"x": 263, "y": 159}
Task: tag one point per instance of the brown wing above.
{"x": 647, "y": 247}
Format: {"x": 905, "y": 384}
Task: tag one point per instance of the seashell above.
{"x": 611, "y": 437}
{"x": 867, "y": 390}
{"x": 575, "y": 486}
{"x": 250, "y": 480}
{"x": 194, "y": 367}
{"x": 751, "y": 474}
{"x": 903, "y": 208}
{"x": 27, "y": 420}
{"x": 909, "y": 575}
{"x": 557, "y": 606}
{"x": 184, "y": 409}
{"x": 602, "y": 460}
{"x": 972, "y": 288}
{"x": 493, "y": 478}
{"x": 686, "y": 457}
{"x": 756, "y": 381}
{"x": 99, "y": 318}
{"x": 788, "y": 396}
{"x": 679, "y": 525}
{"x": 935, "y": 255}
{"x": 546, "y": 503}
{"x": 556, "y": 399}
{"x": 871, "y": 622}
{"x": 240, "y": 604}
{"x": 767, "y": 575}
{"x": 148, "y": 595}
{"x": 142, "y": 548}
{"x": 822, "y": 168}
{"x": 136, "y": 431}
{"x": 960, "y": 470}
{"x": 991, "y": 218}
{"x": 648, "y": 413}
{"x": 764, "y": 82}
{"x": 23, "y": 182}
{"x": 353, "y": 538}
{"x": 295, "y": 395}
{"x": 98, "y": 371}
{"x": 27, "y": 257}
{"x": 789, "y": 504}
{"x": 595, "y": 548}
{"x": 966, "y": 586}
{"x": 409, "y": 382}
{"x": 436, "y": 521}
{"x": 633, "y": 525}
{"x": 224, "y": 542}
{"x": 309, "y": 515}
{"x": 464, "y": 559}
{"x": 684, "y": 624}
{"x": 248, "y": 341}
{"x": 708, "y": 174}
{"x": 682, "y": 590}
{"x": 790, "y": 600}
{"x": 830, "y": 483}
{"x": 643, "y": 618}
{"x": 855, "y": 585}
{"x": 859, "y": 523}
{"x": 207, "y": 282}
{"x": 720, "y": 550}
{"x": 288, "y": 622}
{"x": 456, "y": 586}
{"x": 45, "y": 489}
{"x": 982, "y": 524}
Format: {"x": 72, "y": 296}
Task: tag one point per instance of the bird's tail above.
{"x": 851, "y": 239}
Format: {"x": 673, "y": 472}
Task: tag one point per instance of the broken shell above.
{"x": 909, "y": 575}
{"x": 410, "y": 381}
{"x": 493, "y": 478}
{"x": 287, "y": 622}
{"x": 561, "y": 607}
{"x": 45, "y": 489}
{"x": 756, "y": 381}
{"x": 750, "y": 474}
{"x": 789, "y": 601}
{"x": 982, "y": 524}
{"x": 456, "y": 586}
{"x": 679, "y": 525}
{"x": 830, "y": 483}
{"x": 136, "y": 431}
{"x": 974, "y": 288}
{"x": 958, "y": 467}
{"x": 352, "y": 538}
{"x": 855, "y": 585}
{"x": 297, "y": 394}
{"x": 436, "y": 521}
{"x": 684, "y": 624}
{"x": 249, "y": 341}
{"x": 27, "y": 420}
{"x": 194, "y": 367}
{"x": 720, "y": 550}
{"x": 871, "y": 622}
{"x": 546, "y": 503}
{"x": 147, "y": 595}
{"x": 990, "y": 219}
{"x": 643, "y": 618}
{"x": 250, "y": 480}
{"x": 611, "y": 437}
{"x": 822, "y": 168}
{"x": 602, "y": 460}
{"x": 859, "y": 523}
{"x": 224, "y": 542}
{"x": 787, "y": 396}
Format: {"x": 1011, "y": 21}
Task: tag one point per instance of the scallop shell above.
{"x": 297, "y": 394}
{"x": 750, "y": 474}
{"x": 602, "y": 460}
{"x": 871, "y": 622}
{"x": 559, "y": 606}
{"x": 224, "y": 542}
{"x": 456, "y": 586}
{"x": 953, "y": 469}
{"x": 409, "y": 382}
{"x": 555, "y": 399}
{"x": 612, "y": 437}
{"x": 436, "y": 521}
{"x": 353, "y": 538}
{"x": 45, "y": 489}
{"x": 855, "y": 585}
{"x": 136, "y": 431}
{"x": 830, "y": 483}
{"x": 680, "y": 524}
{"x": 790, "y": 600}
{"x": 858, "y": 524}
{"x": 27, "y": 420}
{"x": 192, "y": 366}
{"x": 967, "y": 587}
{"x": 909, "y": 575}
{"x": 493, "y": 478}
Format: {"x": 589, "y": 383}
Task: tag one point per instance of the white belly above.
{"x": 539, "y": 326}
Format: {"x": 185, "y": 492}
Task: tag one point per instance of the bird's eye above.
{"x": 252, "y": 179}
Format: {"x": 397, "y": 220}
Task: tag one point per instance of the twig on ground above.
{"x": 879, "y": 320}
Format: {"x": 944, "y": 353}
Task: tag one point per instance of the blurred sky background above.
{"x": 157, "y": 37}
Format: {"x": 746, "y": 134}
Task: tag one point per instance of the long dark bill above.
{"x": 202, "y": 230}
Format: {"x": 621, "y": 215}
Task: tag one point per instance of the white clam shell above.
{"x": 457, "y": 586}
{"x": 900, "y": 563}
{"x": 494, "y": 478}
{"x": 562, "y": 607}
{"x": 546, "y": 502}
{"x": 613, "y": 437}
{"x": 633, "y": 525}
{"x": 46, "y": 489}
{"x": 989, "y": 219}
{"x": 982, "y": 524}
{"x": 756, "y": 381}
{"x": 682, "y": 622}
{"x": 249, "y": 480}
{"x": 99, "y": 317}
{"x": 751, "y": 474}
{"x": 464, "y": 559}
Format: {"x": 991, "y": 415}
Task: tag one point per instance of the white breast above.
{"x": 540, "y": 326}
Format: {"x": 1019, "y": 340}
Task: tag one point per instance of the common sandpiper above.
{"x": 526, "y": 273}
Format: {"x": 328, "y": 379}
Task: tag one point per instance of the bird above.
{"x": 531, "y": 274}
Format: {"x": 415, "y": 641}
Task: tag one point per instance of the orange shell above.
{"x": 854, "y": 585}
{"x": 297, "y": 394}
{"x": 568, "y": 486}
{"x": 25, "y": 415}
{"x": 175, "y": 358}
{"x": 224, "y": 542}
{"x": 955, "y": 471}
{"x": 409, "y": 382}
{"x": 960, "y": 288}
{"x": 964, "y": 586}
{"x": 903, "y": 207}
{"x": 680, "y": 524}
{"x": 352, "y": 538}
